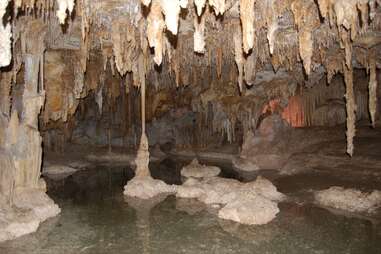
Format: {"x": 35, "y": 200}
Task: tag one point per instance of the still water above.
{"x": 96, "y": 218}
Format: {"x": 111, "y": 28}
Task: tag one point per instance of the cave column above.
{"x": 27, "y": 141}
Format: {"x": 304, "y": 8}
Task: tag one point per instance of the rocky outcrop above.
{"x": 267, "y": 147}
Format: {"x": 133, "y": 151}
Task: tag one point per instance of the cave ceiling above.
{"x": 242, "y": 44}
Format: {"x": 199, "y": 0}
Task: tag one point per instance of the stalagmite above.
{"x": 247, "y": 21}
{"x": 373, "y": 91}
{"x": 143, "y": 186}
{"x": 155, "y": 28}
{"x": 142, "y": 157}
{"x": 199, "y": 34}
{"x": 63, "y": 6}
{"x": 5, "y": 37}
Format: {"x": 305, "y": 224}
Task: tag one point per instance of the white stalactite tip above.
{"x": 171, "y": 10}
{"x": 218, "y": 6}
{"x": 3, "y": 7}
{"x": 155, "y": 27}
{"x": 64, "y": 5}
{"x": 199, "y": 35}
{"x": 200, "y": 4}
{"x": 271, "y": 35}
{"x": 373, "y": 92}
{"x": 5, "y": 37}
{"x": 146, "y": 2}
{"x": 247, "y": 21}
{"x": 5, "y": 45}
{"x": 306, "y": 49}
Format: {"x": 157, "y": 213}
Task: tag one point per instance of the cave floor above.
{"x": 96, "y": 218}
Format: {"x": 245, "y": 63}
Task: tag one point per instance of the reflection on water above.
{"x": 96, "y": 218}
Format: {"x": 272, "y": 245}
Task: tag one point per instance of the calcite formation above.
{"x": 196, "y": 170}
{"x": 63, "y": 6}
{"x": 247, "y": 20}
{"x": 155, "y": 30}
{"x": 20, "y": 184}
{"x": 253, "y": 203}
{"x": 5, "y": 37}
{"x": 350, "y": 200}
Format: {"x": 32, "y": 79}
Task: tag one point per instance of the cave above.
{"x": 190, "y": 126}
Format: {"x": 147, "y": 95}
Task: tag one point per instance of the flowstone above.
{"x": 29, "y": 209}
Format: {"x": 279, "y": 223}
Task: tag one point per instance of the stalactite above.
{"x": 247, "y": 22}
{"x": 125, "y": 48}
{"x": 63, "y": 6}
{"x": 238, "y": 56}
{"x": 155, "y": 27}
{"x": 350, "y": 106}
{"x": 199, "y": 34}
{"x": 249, "y": 67}
{"x": 373, "y": 90}
{"x": 218, "y": 6}
{"x": 307, "y": 19}
{"x": 271, "y": 32}
{"x": 200, "y": 4}
{"x": 5, "y": 37}
{"x": 146, "y": 2}
{"x": 219, "y": 61}
{"x": 306, "y": 49}
{"x": 171, "y": 11}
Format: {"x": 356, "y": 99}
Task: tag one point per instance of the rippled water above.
{"x": 96, "y": 218}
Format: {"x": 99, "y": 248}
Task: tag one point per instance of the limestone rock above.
{"x": 147, "y": 187}
{"x": 256, "y": 210}
{"x": 267, "y": 148}
{"x": 351, "y": 200}
{"x": 196, "y": 170}
{"x": 246, "y": 203}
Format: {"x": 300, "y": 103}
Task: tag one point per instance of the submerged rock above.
{"x": 147, "y": 187}
{"x": 255, "y": 210}
{"x": 351, "y": 200}
{"x": 196, "y": 170}
{"x": 56, "y": 171}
